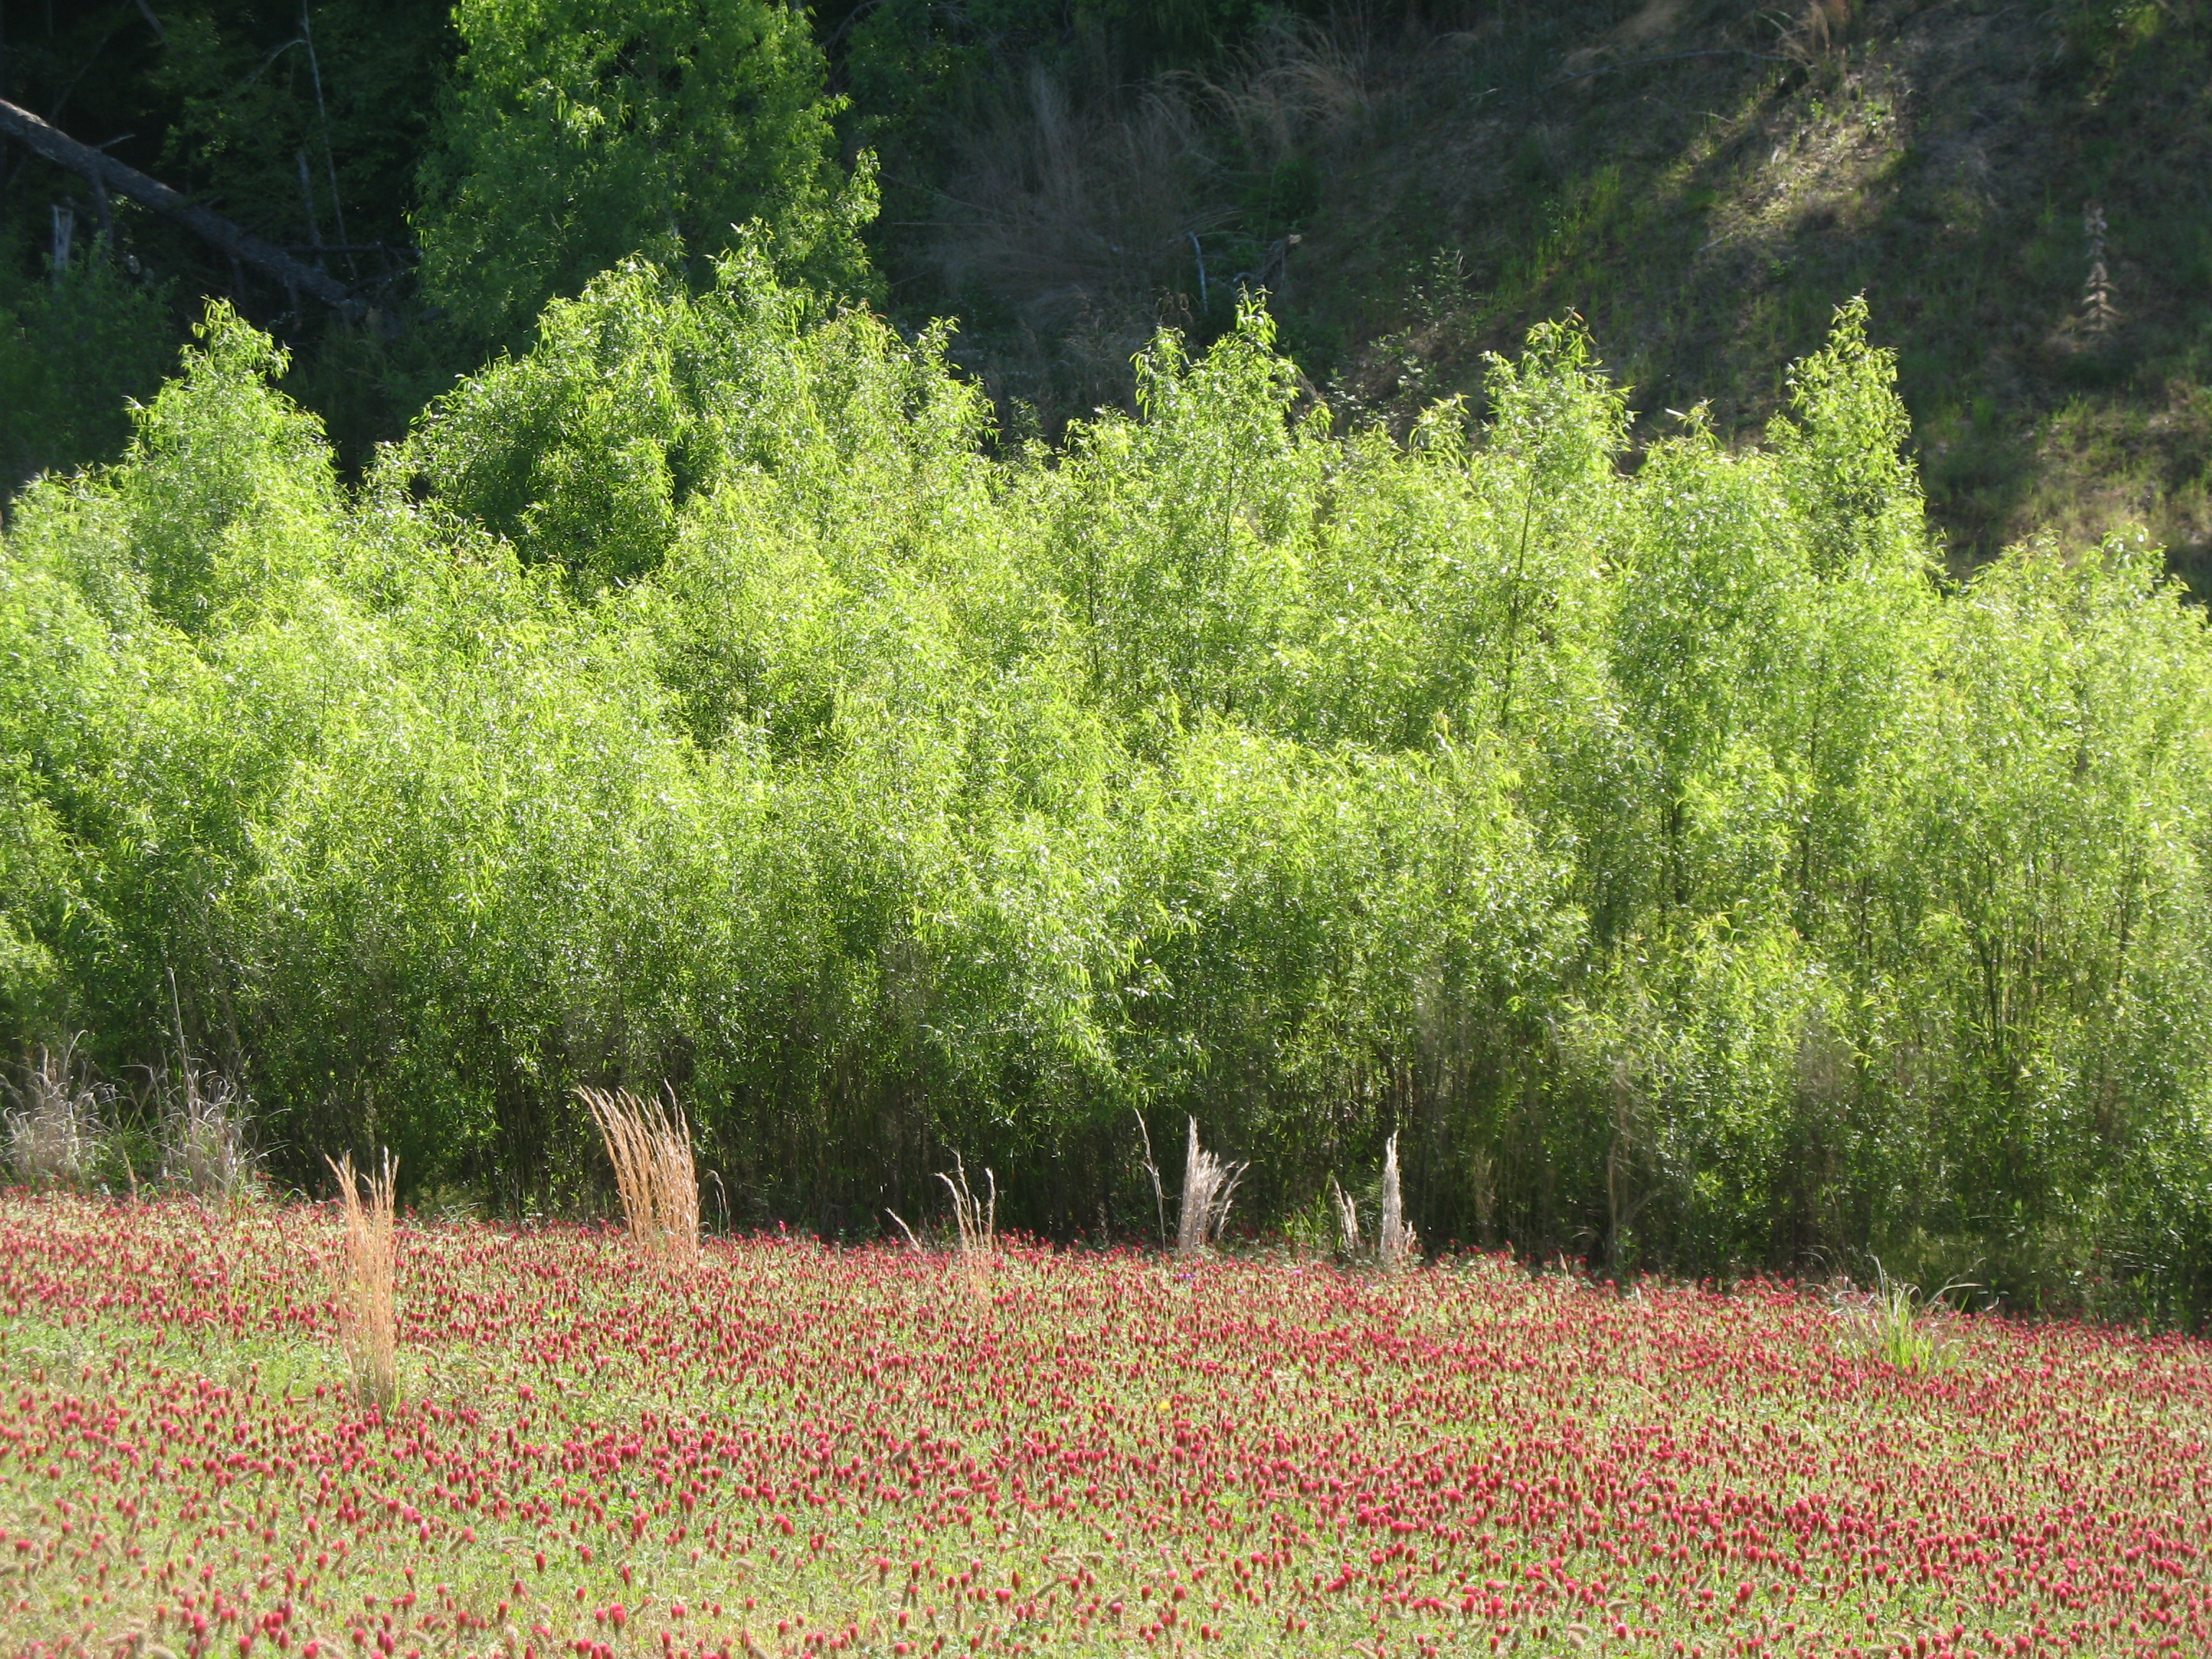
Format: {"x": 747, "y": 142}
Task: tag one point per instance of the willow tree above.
{"x": 579, "y": 132}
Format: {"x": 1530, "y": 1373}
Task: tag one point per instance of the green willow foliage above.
{"x": 578, "y": 132}
{"x": 1687, "y": 873}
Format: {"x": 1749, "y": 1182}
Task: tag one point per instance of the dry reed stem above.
{"x": 650, "y": 1147}
{"x": 1151, "y": 1169}
{"x": 368, "y": 1315}
{"x": 913, "y": 1242}
{"x": 2098, "y": 313}
{"x": 977, "y": 1219}
{"x": 1208, "y": 1185}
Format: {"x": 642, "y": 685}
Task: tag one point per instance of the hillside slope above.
{"x": 2021, "y": 192}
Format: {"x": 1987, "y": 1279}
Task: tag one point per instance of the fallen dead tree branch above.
{"x": 42, "y": 138}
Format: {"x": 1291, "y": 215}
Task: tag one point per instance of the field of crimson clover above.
{"x": 795, "y": 1449}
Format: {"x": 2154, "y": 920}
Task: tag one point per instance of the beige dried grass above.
{"x": 1295, "y": 79}
{"x": 1347, "y": 1220}
{"x": 58, "y": 1138}
{"x": 977, "y": 1216}
{"x": 1396, "y": 1244}
{"x": 368, "y": 1307}
{"x": 1208, "y": 1185}
{"x": 650, "y": 1147}
{"x": 204, "y": 1149}
{"x": 1077, "y": 198}
{"x": 1818, "y": 30}
{"x": 1073, "y": 200}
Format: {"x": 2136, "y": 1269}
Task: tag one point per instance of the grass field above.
{"x": 791, "y": 1449}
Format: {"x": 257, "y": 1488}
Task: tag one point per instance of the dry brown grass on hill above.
{"x": 1094, "y": 212}
{"x": 1703, "y": 181}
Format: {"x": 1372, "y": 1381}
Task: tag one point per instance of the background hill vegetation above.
{"x": 1598, "y": 762}
{"x": 2020, "y": 191}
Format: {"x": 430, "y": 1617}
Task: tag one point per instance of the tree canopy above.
{"x": 580, "y": 133}
{"x": 1682, "y": 867}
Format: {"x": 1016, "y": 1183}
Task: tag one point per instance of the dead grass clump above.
{"x": 368, "y": 1314}
{"x": 1819, "y": 30}
{"x": 204, "y": 1148}
{"x": 1348, "y": 1221}
{"x": 976, "y": 1218}
{"x": 1397, "y": 1245}
{"x": 57, "y": 1137}
{"x": 650, "y": 1147}
{"x": 1297, "y": 78}
{"x": 1208, "y": 1185}
{"x": 1077, "y": 201}
{"x": 1096, "y": 213}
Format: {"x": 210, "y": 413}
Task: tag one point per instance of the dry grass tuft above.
{"x": 650, "y": 1147}
{"x": 1348, "y": 1221}
{"x": 1077, "y": 202}
{"x": 1099, "y": 213}
{"x": 977, "y": 1216}
{"x": 205, "y": 1150}
{"x": 1818, "y": 30}
{"x": 1295, "y": 79}
{"x": 57, "y": 1139}
{"x": 1208, "y": 1185}
{"x": 1396, "y": 1244}
{"x": 368, "y": 1314}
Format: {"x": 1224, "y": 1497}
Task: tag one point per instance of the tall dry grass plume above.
{"x": 204, "y": 1149}
{"x": 58, "y": 1136}
{"x": 976, "y": 1218}
{"x": 1817, "y": 32}
{"x": 1396, "y": 1244}
{"x": 1208, "y": 1185}
{"x": 1347, "y": 1220}
{"x": 650, "y": 1147}
{"x": 368, "y": 1307}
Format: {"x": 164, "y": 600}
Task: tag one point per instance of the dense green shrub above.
{"x": 73, "y": 353}
{"x": 1688, "y": 873}
{"x": 580, "y": 133}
